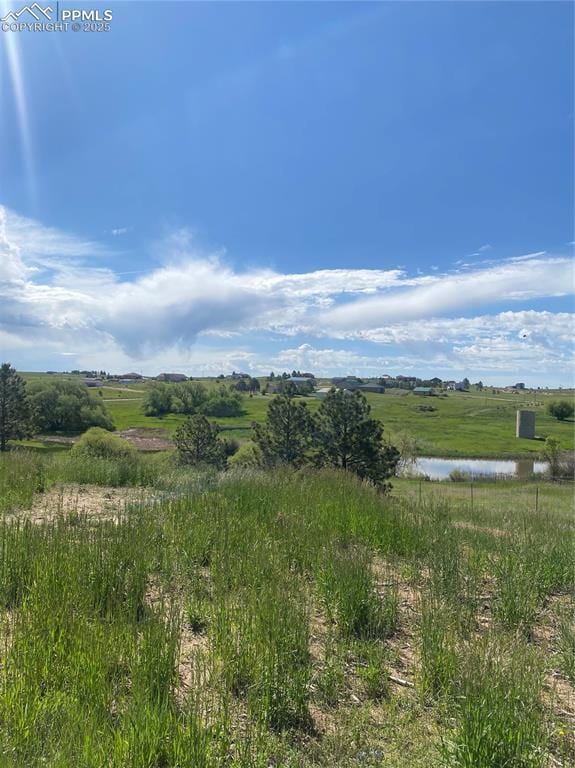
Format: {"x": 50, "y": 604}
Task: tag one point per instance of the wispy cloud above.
{"x": 538, "y": 277}
{"x": 54, "y": 291}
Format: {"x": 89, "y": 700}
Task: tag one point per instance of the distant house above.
{"x": 172, "y": 377}
{"x": 423, "y": 391}
{"x": 459, "y": 386}
{"x": 377, "y": 388}
{"x": 93, "y": 382}
{"x": 301, "y": 379}
{"x": 133, "y": 376}
{"x": 407, "y": 379}
{"x": 322, "y": 392}
{"x": 353, "y": 384}
{"x": 346, "y": 382}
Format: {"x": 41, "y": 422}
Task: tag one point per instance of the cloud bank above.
{"x": 55, "y": 294}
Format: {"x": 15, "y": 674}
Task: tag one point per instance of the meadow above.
{"x": 293, "y": 619}
{"x": 456, "y": 424}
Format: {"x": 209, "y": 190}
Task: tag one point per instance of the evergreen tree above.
{"x": 287, "y": 433}
{"x": 15, "y": 412}
{"x": 348, "y": 438}
{"x": 198, "y": 443}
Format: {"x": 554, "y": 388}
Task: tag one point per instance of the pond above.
{"x": 440, "y": 469}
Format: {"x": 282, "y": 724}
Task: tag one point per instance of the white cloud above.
{"x": 51, "y": 293}
{"x": 511, "y": 281}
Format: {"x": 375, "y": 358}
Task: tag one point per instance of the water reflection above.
{"x": 440, "y": 469}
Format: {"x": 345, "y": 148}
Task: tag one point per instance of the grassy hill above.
{"x": 281, "y": 619}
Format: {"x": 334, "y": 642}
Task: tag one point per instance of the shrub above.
{"x": 230, "y": 446}
{"x": 223, "y": 402}
{"x": 561, "y": 410}
{"x": 248, "y": 455}
{"x": 189, "y": 397}
{"x": 99, "y": 444}
{"x": 158, "y": 400}
{"x": 459, "y": 476}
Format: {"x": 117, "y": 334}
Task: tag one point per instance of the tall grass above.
{"x": 22, "y": 474}
{"x": 208, "y": 628}
{"x": 347, "y": 585}
{"x": 499, "y": 716}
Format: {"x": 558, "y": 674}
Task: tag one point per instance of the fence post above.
{"x": 536, "y": 499}
{"x": 420, "y": 491}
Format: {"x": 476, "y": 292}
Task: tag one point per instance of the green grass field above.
{"x": 461, "y": 425}
{"x": 247, "y": 620}
{"x": 472, "y": 424}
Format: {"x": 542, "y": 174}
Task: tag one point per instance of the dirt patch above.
{"x": 147, "y": 438}
{"x": 99, "y": 502}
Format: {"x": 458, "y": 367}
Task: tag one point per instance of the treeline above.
{"x": 341, "y": 435}
{"x": 60, "y": 406}
{"x": 190, "y": 398}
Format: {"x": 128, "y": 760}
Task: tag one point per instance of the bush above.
{"x": 248, "y": 456}
{"x": 230, "y": 446}
{"x": 99, "y": 444}
{"x": 561, "y": 410}
{"x": 158, "y": 400}
{"x": 223, "y": 402}
{"x": 190, "y": 397}
{"x": 459, "y": 476}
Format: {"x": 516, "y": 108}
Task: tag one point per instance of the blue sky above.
{"x": 342, "y": 187}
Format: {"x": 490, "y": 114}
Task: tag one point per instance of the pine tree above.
{"x": 15, "y": 412}
{"x": 198, "y": 443}
{"x": 287, "y": 433}
{"x": 348, "y": 438}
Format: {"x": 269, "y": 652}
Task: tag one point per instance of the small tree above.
{"x": 287, "y": 433}
{"x": 15, "y": 412}
{"x": 190, "y": 397}
{"x": 64, "y": 406}
{"x": 348, "y": 438}
{"x": 561, "y": 410}
{"x": 223, "y": 402}
{"x": 158, "y": 400}
{"x": 198, "y": 443}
